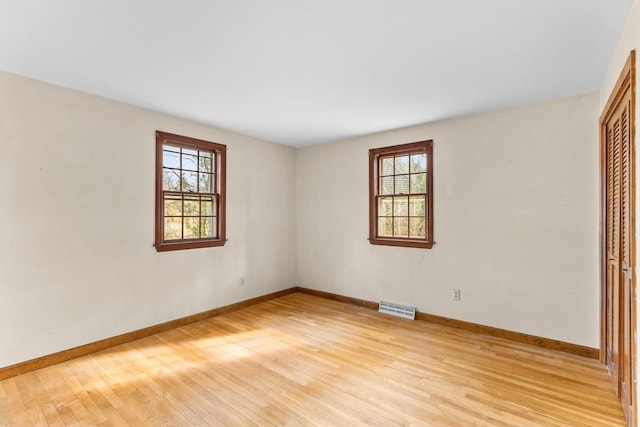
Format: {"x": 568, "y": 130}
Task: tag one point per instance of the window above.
{"x": 401, "y": 195}
{"x": 190, "y": 193}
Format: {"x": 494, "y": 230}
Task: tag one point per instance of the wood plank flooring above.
{"x": 302, "y": 360}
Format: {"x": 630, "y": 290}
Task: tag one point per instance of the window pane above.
{"x": 386, "y": 185}
{"x": 172, "y": 205}
{"x": 189, "y": 210}
{"x": 402, "y": 164}
{"x": 172, "y": 228}
{"x": 191, "y": 228}
{"x": 385, "y": 227}
{"x": 386, "y": 166}
{"x": 205, "y": 162}
{"x": 416, "y": 227}
{"x": 207, "y": 225}
{"x": 385, "y": 206}
{"x": 205, "y": 182}
{"x": 417, "y": 206}
{"x": 400, "y": 227}
{"x": 191, "y": 206}
{"x": 399, "y": 195}
{"x": 170, "y": 180}
{"x": 418, "y": 163}
{"x": 207, "y": 207}
{"x": 419, "y": 183}
{"x": 400, "y": 206}
{"x": 189, "y": 181}
{"x": 171, "y": 157}
{"x": 189, "y": 159}
{"x": 402, "y": 184}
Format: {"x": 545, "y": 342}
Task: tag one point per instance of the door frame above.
{"x": 626, "y": 80}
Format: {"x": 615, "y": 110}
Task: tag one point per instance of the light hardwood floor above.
{"x": 304, "y": 360}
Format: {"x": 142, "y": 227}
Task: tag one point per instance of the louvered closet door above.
{"x": 619, "y": 250}
{"x": 613, "y": 248}
{"x": 618, "y": 238}
{"x": 626, "y": 271}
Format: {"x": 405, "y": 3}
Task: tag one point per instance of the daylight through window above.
{"x": 400, "y": 198}
{"x": 190, "y": 181}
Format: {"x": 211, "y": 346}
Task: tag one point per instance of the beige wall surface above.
{"x": 77, "y": 222}
{"x": 516, "y": 221}
{"x": 629, "y": 40}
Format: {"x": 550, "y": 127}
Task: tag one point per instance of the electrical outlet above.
{"x": 456, "y": 294}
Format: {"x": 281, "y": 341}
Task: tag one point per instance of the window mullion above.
{"x": 198, "y": 171}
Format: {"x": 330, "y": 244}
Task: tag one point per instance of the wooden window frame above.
{"x": 219, "y": 152}
{"x": 374, "y": 178}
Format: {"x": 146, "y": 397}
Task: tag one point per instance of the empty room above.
{"x": 318, "y": 213}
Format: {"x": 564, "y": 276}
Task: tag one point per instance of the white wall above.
{"x": 516, "y": 221}
{"x": 629, "y": 40}
{"x": 77, "y": 222}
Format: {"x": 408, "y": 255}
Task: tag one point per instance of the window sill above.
{"x": 174, "y": 246}
{"x": 407, "y": 243}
